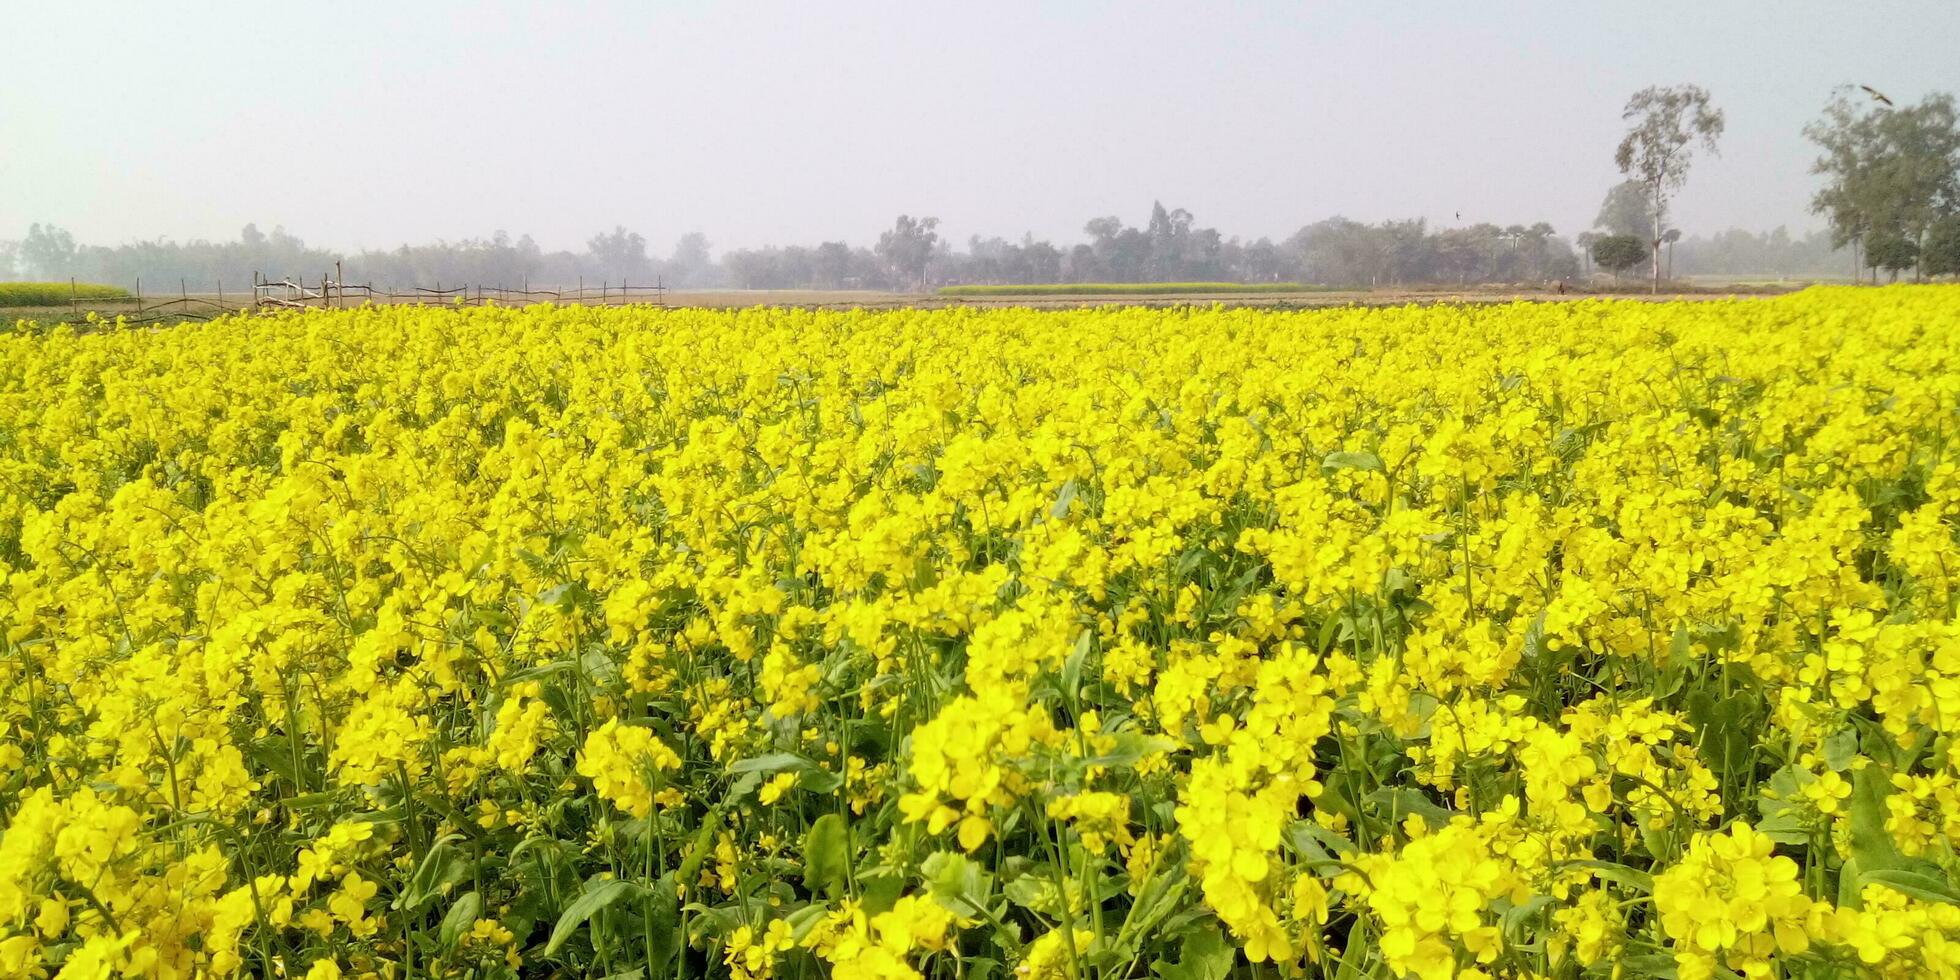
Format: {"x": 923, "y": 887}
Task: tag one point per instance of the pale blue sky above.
{"x": 359, "y": 124}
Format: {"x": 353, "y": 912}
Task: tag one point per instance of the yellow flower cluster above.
{"x": 1448, "y": 641}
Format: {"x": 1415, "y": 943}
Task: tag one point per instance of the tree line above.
{"x": 1167, "y": 248}
{"x": 1891, "y": 200}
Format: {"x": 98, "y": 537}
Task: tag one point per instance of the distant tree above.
{"x": 620, "y": 255}
{"x": 1918, "y": 170}
{"x": 1735, "y": 252}
{"x": 1627, "y": 210}
{"x": 1585, "y": 241}
{"x": 1891, "y": 173}
{"x": 1618, "y": 253}
{"x": 1941, "y": 254}
{"x": 753, "y": 268}
{"x": 1847, "y": 136}
{"x": 832, "y": 265}
{"x": 691, "y": 264}
{"x": 1169, "y": 234}
{"x": 1656, "y": 151}
{"x": 48, "y": 252}
{"x": 1342, "y": 252}
{"x": 1256, "y": 261}
{"x": 1406, "y": 252}
{"x": 1464, "y": 255}
{"x": 1042, "y": 260}
{"x": 908, "y": 247}
{"x": 1669, "y": 237}
{"x": 1119, "y": 253}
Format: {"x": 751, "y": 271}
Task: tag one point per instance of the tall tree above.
{"x": 1627, "y": 210}
{"x": 1666, "y": 124}
{"x": 1847, "y": 137}
{"x": 621, "y": 255}
{"x": 48, "y": 252}
{"x": 1169, "y": 232}
{"x": 908, "y": 246}
{"x": 691, "y": 264}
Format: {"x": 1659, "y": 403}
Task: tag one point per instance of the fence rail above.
{"x": 329, "y": 293}
{"x": 332, "y": 293}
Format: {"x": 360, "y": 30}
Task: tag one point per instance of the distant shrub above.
{"x": 55, "y": 293}
{"x": 1618, "y": 253}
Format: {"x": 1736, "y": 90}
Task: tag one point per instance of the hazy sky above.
{"x": 360, "y": 124}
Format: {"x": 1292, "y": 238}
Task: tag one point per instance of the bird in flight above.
{"x": 1876, "y": 94}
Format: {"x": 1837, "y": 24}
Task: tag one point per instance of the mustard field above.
{"x": 1604, "y": 638}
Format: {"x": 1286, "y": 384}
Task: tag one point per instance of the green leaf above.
{"x": 1534, "y": 640}
{"x": 1515, "y": 917}
{"x": 1783, "y": 825}
{"x": 1072, "y": 668}
{"x": 819, "y": 781}
{"x": 1397, "y": 802}
{"x": 773, "y": 762}
{"x": 273, "y": 754}
{"x": 565, "y": 596}
{"x": 541, "y": 670}
{"x": 827, "y": 855}
{"x": 697, "y": 849}
{"x": 1158, "y": 899}
{"x": 1841, "y": 749}
{"x": 1205, "y": 955}
{"x": 1727, "y": 728}
{"x": 1657, "y": 965}
{"x": 1034, "y": 892}
{"x": 1871, "y": 846}
{"x": 957, "y": 884}
{"x": 441, "y": 865}
{"x": 461, "y": 917}
{"x": 1062, "y": 500}
{"x": 1620, "y": 874}
{"x": 806, "y": 918}
{"x": 664, "y": 908}
{"x": 880, "y": 889}
{"x": 1130, "y": 748}
{"x": 596, "y": 895}
{"x": 1915, "y": 884}
{"x": 1354, "y": 951}
{"x": 1351, "y": 461}
{"x": 1848, "y": 878}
